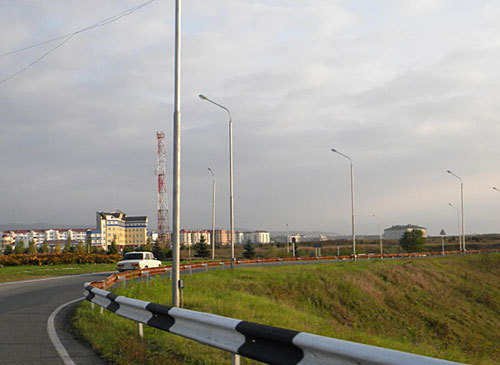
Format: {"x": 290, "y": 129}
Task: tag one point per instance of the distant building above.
{"x": 192, "y": 237}
{"x": 222, "y": 237}
{"x": 297, "y": 237}
{"x": 322, "y": 237}
{"x": 47, "y": 235}
{"x": 256, "y": 237}
{"x": 396, "y": 232}
{"x": 125, "y": 230}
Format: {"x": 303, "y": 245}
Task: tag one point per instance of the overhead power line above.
{"x": 66, "y": 38}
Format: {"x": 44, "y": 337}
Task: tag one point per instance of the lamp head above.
{"x": 334, "y": 150}
{"x": 202, "y": 97}
{"x": 448, "y": 171}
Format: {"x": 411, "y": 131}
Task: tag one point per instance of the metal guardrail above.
{"x": 268, "y": 344}
{"x": 271, "y": 345}
{"x": 127, "y": 275}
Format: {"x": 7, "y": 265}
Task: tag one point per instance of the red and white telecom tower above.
{"x": 163, "y": 227}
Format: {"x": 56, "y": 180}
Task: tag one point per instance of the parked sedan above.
{"x": 138, "y": 260}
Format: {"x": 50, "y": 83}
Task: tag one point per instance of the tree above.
{"x": 80, "y": 248}
{"x": 201, "y": 248}
{"x": 57, "y": 247}
{"x": 32, "y": 247}
{"x": 113, "y": 249}
{"x": 88, "y": 243}
{"x": 412, "y": 241}
{"x": 44, "y": 248}
{"x": 67, "y": 246}
{"x": 249, "y": 252}
{"x": 7, "y": 250}
{"x": 19, "y": 248}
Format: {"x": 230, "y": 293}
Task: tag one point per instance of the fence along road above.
{"x": 268, "y": 344}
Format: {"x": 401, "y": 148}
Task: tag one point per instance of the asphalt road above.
{"x": 25, "y": 308}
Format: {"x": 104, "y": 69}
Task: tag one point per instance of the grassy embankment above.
{"x": 15, "y": 273}
{"x": 441, "y": 307}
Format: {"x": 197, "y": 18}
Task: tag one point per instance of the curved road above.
{"x": 25, "y": 308}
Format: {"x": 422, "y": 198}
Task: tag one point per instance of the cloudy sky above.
{"x": 408, "y": 89}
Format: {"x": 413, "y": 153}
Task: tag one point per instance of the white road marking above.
{"x": 51, "y": 330}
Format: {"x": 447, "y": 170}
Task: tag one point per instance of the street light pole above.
{"x": 458, "y": 220}
{"x": 287, "y": 239}
{"x": 231, "y": 200}
{"x": 213, "y": 212}
{"x": 462, "y": 206}
{"x": 177, "y": 161}
{"x": 379, "y": 234}
{"x": 352, "y": 202}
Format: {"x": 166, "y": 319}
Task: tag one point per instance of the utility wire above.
{"x": 67, "y": 37}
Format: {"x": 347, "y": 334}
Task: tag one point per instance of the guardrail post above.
{"x": 235, "y": 359}
{"x": 141, "y": 330}
{"x": 92, "y": 305}
{"x": 101, "y": 311}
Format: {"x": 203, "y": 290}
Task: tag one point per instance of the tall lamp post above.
{"x": 287, "y": 239}
{"x": 458, "y": 220}
{"x": 213, "y": 212}
{"x": 231, "y": 204}
{"x": 379, "y": 233}
{"x": 176, "y": 191}
{"x": 461, "y": 206}
{"x": 352, "y": 202}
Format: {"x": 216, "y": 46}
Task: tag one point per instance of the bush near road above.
{"x": 57, "y": 259}
{"x": 441, "y": 307}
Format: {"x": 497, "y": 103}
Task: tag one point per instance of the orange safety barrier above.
{"x": 127, "y": 275}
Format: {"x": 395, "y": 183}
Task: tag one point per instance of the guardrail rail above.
{"x": 272, "y": 345}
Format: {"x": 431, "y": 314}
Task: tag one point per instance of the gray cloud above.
{"x": 407, "y": 91}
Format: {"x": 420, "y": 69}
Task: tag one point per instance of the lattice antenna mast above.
{"x": 163, "y": 226}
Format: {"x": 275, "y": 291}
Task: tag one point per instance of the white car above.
{"x": 138, "y": 260}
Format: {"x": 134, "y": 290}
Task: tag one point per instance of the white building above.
{"x": 190, "y": 238}
{"x": 256, "y": 237}
{"x": 396, "y": 232}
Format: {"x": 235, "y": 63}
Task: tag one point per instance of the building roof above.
{"x": 399, "y": 227}
{"x": 138, "y": 218}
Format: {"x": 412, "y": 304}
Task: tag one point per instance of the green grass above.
{"x": 15, "y": 273}
{"x": 441, "y": 307}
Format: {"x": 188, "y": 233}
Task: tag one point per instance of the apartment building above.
{"x": 256, "y": 237}
{"x": 396, "y": 232}
{"x": 116, "y": 225}
{"x": 191, "y": 237}
{"x": 47, "y": 235}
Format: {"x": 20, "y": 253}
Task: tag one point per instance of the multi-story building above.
{"x": 117, "y": 226}
{"x": 396, "y": 232}
{"x": 50, "y": 235}
{"x": 256, "y": 237}
{"x": 222, "y": 237}
{"x": 189, "y": 238}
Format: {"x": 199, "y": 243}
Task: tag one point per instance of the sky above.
{"x": 407, "y": 89}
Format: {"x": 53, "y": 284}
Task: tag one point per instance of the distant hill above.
{"x": 22, "y": 226}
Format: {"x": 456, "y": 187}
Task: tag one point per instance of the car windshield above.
{"x": 133, "y": 256}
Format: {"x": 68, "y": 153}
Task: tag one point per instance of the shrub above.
{"x": 57, "y": 259}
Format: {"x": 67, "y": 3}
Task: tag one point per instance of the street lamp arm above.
{"x": 203, "y": 97}
{"x": 341, "y": 154}
{"x": 458, "y": 177}
{"x": 211, "y": 171}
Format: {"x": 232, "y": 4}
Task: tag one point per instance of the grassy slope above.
{"x": 15, "y": 273}
{"x": 441, "y": 307}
